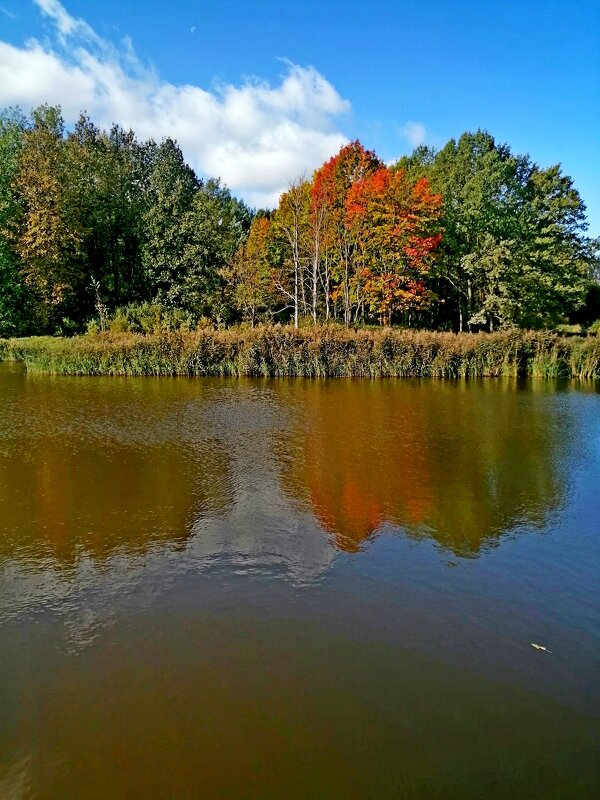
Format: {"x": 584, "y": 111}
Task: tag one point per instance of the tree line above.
{"x": 95, "y": 224}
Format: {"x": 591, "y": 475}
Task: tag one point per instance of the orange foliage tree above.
{"x": 395, "y": 226}
{"x": 330, "y": 188}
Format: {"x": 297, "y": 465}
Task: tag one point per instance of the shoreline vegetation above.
{"x": 325, "y": 351}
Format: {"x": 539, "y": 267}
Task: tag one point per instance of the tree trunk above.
{"x": 314, "y": 286}
{"x": 346, "y": 295}
{"x": 327, "y": 310}
{"x": 296, "y": 293}
{"x": 469, "y": 301}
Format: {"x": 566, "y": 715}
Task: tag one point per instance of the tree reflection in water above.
{"x": 462, "y": 462}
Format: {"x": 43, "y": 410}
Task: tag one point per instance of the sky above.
{"x": 261, "y": 92}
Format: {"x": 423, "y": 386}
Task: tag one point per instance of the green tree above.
{"x": 557, "y": 260}
{"x": 217, "y": 226}
{"x": 15, "y": 300}
{"x": 102, "y": 183}
{"x": 168, "y": 230}
{"x": 513, "y": 250}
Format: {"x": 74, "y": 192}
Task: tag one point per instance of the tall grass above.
{"x": 326, "y": 351}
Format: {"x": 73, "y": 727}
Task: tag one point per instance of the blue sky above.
{"x": 259, "y": 91}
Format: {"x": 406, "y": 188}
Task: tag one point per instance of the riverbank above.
{"x": 322, "y": 352}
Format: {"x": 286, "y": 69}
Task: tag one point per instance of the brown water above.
{"x": 298, "y": 589}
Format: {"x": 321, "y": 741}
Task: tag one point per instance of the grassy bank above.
{"x": 323, "y": 352}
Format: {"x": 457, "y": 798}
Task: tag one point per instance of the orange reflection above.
{"x": 461, "y": 462}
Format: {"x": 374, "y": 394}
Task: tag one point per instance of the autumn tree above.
{"x": 249, "y": 274}
{"x": 49, "y": 235}
{"x": 291, "y": 227}
{"x": 321, "y": 246}
{"x": 395, "y": 225}
{"x": 330, "y": 188}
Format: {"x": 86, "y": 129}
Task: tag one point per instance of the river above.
{"x": 220, "y": 588}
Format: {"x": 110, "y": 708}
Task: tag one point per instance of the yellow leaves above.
{"x": 49, "y": 234}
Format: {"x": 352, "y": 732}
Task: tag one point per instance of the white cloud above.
{"x": 414, "y": 132}
{"x": 66, "y": 25}
{"x": 255, "y": 136}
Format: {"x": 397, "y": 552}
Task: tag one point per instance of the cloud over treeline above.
{"x": 256, "y": 136}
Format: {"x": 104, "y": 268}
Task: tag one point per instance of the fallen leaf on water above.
{"x": 540, "y": 647}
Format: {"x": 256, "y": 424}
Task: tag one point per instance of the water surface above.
{"x": 298, "y": 589}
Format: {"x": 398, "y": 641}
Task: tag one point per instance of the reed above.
{"x": 324, "y": 351}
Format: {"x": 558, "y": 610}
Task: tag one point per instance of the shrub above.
{"x": 569, "y": 330}
{"x": 594, "y": 328}
{"x": 146, "y": 318}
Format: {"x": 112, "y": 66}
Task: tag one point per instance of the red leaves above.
{"x": 395, "y": 227}
{"x": 333, "y": 180}
{"x": 419, "y": 249}
{"x": 376, "y": 231}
